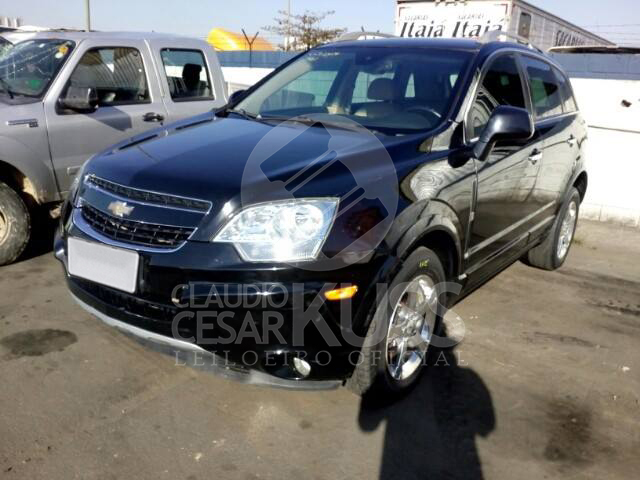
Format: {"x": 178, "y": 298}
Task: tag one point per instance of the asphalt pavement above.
{"x": 545, "y": 384}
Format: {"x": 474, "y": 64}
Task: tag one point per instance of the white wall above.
{"x": 613, "y": 148}
{"x": 239, "y": 78}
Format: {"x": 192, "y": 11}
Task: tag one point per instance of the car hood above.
{"x": 219, "y": 159}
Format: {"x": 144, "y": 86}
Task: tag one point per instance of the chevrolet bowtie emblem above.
{"x": 120, "y": 209}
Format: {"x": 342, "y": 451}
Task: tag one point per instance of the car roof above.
{"x": 83, "y": 34}
{"x": 401, "y": 42}
{"x": 438, "y": 43}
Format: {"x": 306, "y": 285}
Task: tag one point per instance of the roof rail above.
{"x": 499, "y": 35}
{"x": 348, "y": 36}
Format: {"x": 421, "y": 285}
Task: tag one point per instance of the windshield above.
{"x": 4, "y": 45}
{"x": 27, "y": 68}
{"x": 390, "y": 90}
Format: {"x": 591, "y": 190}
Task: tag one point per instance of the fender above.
{"x": 434, "y": 215}
{"x": 408, "y": 232}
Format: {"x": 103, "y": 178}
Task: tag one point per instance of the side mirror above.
{"x": 236, "y": 95}
{"x": 505, "y": 123}
{"x": 80, "y": 99}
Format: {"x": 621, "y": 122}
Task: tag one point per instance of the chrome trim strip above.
{"x": 502, "y": 233}
{"x": 83, "y": 226}
{"x": 189, "y": 354}
{"x": 30, "y": 122}
{"x": 146, "y": 204}
{"x": 141, "y": 202}
{"x": 82, "y": 202}
{"x": 542, "y": 223}
{"x": 485, "y": 261}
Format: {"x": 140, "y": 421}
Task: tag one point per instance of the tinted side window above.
{"x": 568, "y": 99}
{"x": 187, "y": 74}
{"x": 501, "y": 85}
{"x": 545, "y": 90}
{"x": 116, "y": 73}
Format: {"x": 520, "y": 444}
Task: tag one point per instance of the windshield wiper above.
{"x": 319, "y": 122}
{"x": 6, "y": 87}
{"x": 243, "y": 113}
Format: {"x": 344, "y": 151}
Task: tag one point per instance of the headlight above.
{"x": 284, "y": 231}
{"x": 73, "y": 189}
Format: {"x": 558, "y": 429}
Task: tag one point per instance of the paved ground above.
{"x": 545, "y": 385}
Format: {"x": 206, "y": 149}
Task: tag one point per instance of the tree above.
{"x": 303, "y": 31}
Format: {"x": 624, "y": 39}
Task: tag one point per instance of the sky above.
{"x": 618, "y": 20}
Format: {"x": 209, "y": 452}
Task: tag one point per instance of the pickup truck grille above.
{"x": 133, "y": 232}
{"x": 148, "y": 197}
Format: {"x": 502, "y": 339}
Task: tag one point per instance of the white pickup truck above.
{"x": 66, "y": 95}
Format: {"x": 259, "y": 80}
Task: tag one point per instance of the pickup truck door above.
{"x": 190, "y": 77}
{"x": 129, "y": 102}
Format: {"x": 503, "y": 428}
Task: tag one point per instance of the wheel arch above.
{"x": 580, "y": 183}
{"x": 439, "y": 229}
{"x": 19, "y": 182}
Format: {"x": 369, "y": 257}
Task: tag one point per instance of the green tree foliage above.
{"x": 303, "y": 31}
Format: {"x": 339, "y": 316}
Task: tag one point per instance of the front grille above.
{"x": 138, "y": 233}
{"x": 149, "y": 197}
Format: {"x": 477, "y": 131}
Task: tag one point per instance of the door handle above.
{"x": 535, "y": 156}
{"x": 152, "y": 117}
{"x": 572, "y": 141}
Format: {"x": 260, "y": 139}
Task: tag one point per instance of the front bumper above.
{"x": 189, "y": 354}
{"x": 148, "y": 315}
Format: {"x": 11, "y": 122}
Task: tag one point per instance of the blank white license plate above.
{"x": 113, "y": 267}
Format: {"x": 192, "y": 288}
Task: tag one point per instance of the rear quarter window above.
{"x": 568, "y": 100}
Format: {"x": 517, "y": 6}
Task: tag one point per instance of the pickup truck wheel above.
{"x": 403, "y": 324}
{"x": 553, "y": 251}
{"x": 15, "y": 225}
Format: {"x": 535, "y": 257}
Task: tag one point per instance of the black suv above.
{"x": 315, "y": 229}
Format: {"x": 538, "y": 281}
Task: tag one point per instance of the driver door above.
{"x": 505, "y": 209}
{"x": 127, "y": 91}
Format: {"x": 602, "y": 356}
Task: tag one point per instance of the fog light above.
{"x": 341, "y": 293}
{"x": 302, "y": 367}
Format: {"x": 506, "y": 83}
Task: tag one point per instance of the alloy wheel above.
{"x": 411, "y": 328}
{"x": 567, "y": 229}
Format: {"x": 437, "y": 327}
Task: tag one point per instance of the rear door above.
{"x": 504, "y": 208}
{"x": 129, "y": 103}
{"x": 557, "y": 122}
{"x": 190, "y": 77}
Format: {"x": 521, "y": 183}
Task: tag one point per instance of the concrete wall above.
{"x": 607, "y": 88}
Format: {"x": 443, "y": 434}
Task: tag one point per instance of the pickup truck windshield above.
{"x": 393, "y": 91}
{"x": 4, "y": 45}
{"x": 27, "y": 68}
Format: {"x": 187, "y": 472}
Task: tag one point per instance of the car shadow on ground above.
{"x": 431, "y": 433}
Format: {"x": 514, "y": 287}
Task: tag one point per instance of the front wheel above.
{"x": 15, "y": 225}
{"x": 553, "y": 251}
{"x": 403, "y": 325}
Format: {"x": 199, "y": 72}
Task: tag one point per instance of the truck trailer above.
{"x": 475, "y": 18}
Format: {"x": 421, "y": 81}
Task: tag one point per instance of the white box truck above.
{"x": 474, "y": 18}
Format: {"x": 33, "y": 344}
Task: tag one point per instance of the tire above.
{"x": 15, "y": 225}
{"x": 549, "y": 255}
{"x": 372, "y": 374}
